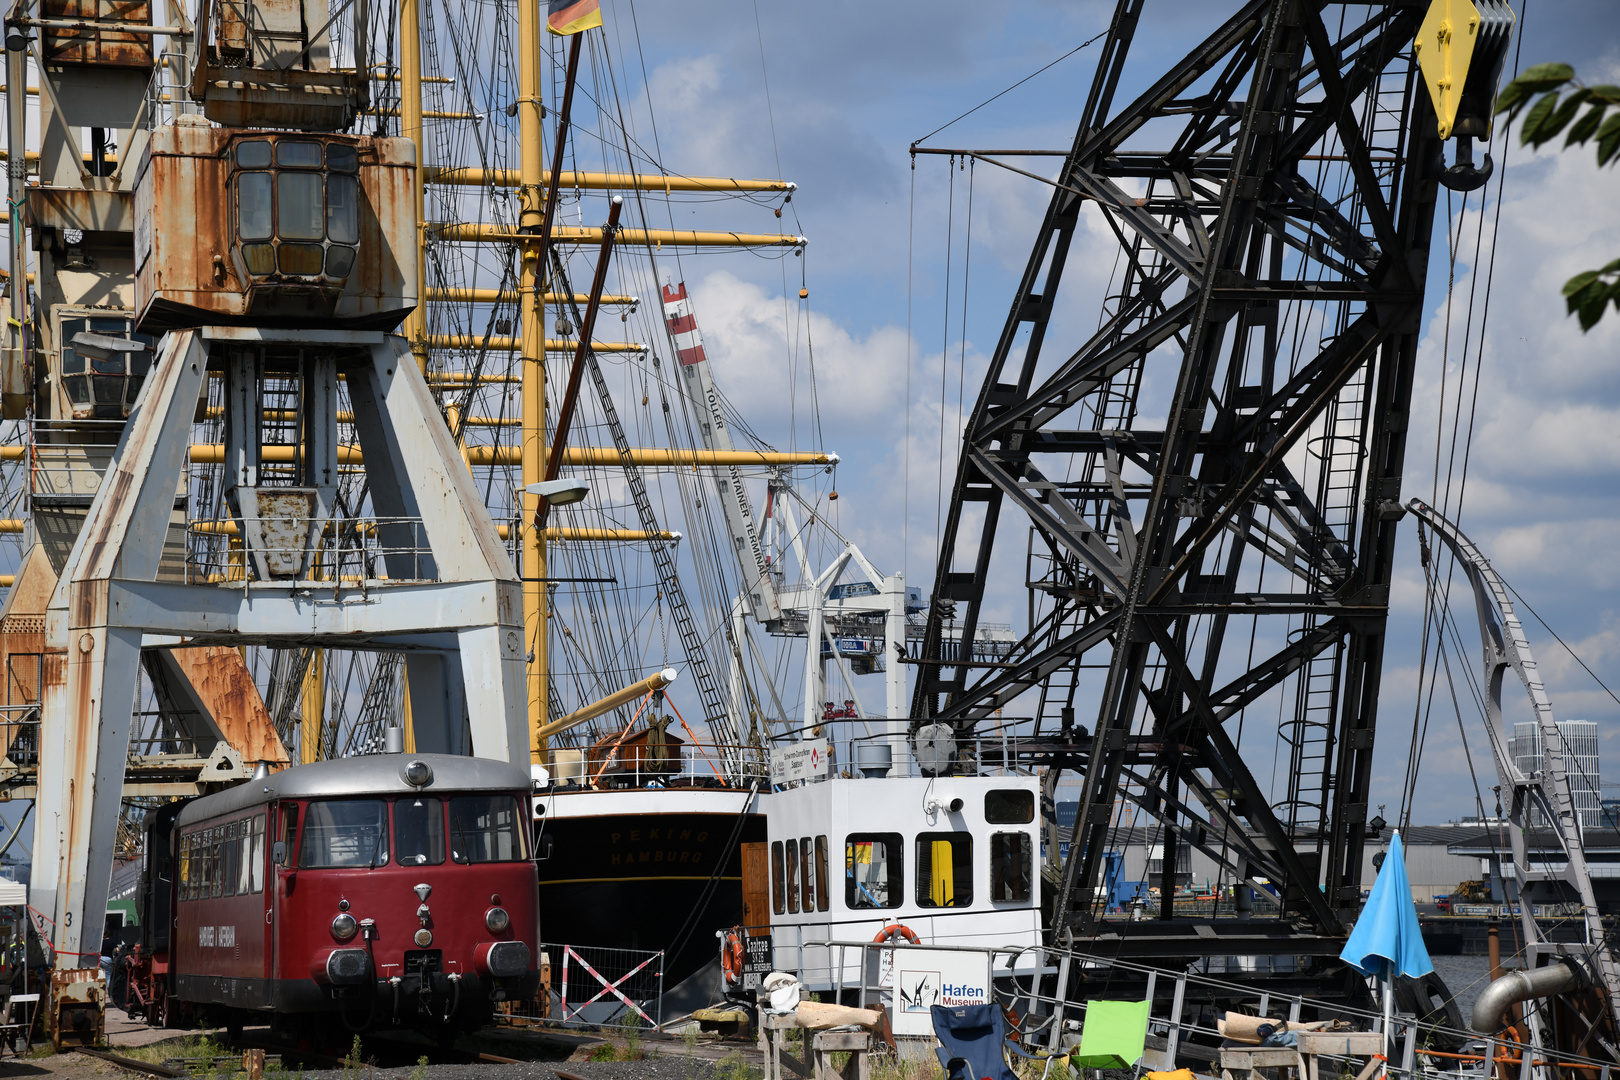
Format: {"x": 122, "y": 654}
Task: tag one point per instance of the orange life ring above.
{"x": 731, "y": 956}
{"x": 895, "y": 930}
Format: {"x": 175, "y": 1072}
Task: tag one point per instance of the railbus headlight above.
{"x": 497, "y": 920}
{"x": 344, "y": 926}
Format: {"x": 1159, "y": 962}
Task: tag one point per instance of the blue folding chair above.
{"x": 973, "y": 1043}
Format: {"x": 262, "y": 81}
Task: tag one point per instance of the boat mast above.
{"x": 532, "y": 361}
{"x": 410, "y": 126}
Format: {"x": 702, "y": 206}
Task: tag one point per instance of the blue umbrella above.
{"x": 1387, "y": 941}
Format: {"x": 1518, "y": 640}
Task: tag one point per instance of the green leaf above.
{"x": 1537, "y": 115}
{"x": 1512, "y": 95}
{"x": 1577, "y": 284}
{"x": 1592, "y": 310}
{"x": 1585, "y": 126}
{"x": 1606, "y": 93}
{"x": 1611, "y": 268}
{"x": 1560, "y": 117}
{"x": 1608, "y": 140}
{"x": 1554, "y": 72}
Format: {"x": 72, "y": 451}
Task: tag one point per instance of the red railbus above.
{"x": 377, "y": 892}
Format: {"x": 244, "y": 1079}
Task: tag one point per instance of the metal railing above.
{"x": 330, "y": 552}
{"x": 593, "y": 986}
{"x": 699, "y": 764}
{"x": 1033, "y": 982}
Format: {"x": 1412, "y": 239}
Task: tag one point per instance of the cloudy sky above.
{"x": 831, "y": 99}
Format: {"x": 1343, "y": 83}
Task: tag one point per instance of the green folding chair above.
{"x": 1114, "y": 1036}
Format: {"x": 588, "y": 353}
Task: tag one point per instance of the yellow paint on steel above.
{"x": 477, "y": 233}
{"x": 601, "y": 456}
{"x": 410, "y": 126}
{"x": 531, "y": 287}
{"x": 492, "y": 296}
{"x": 466, "y": 341}
{"x": 656, "y": 681}
{"x": 12, "y": 525}
{"x": 606, "y": 181}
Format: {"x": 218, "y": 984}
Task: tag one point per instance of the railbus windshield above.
{"x": 487, "y": 828}
{"x": 344, "y": 833}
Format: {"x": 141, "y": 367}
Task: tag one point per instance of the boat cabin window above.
{"x": 1004, "y": 806}
{"x": 344, "y": 833}
{"x": 793, "y": 877}
{"x": 488, "y": 828}
{"x": 807, "y": 873}
{"x": 419, "y": 831}
{"x": 1011, "y": 867}
{"x": 874, "y": 870}
{"x": 823, "y": 901}
{"x": 778, "y": 895}
{"x": 944, "y": 869}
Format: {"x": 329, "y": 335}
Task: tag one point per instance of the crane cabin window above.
{"x": 1011, "y": 867}
{"x": 344, "y": 833}
{"x": 874, "y": 870}
{"x": 1009, "y": 806}
{"x": 944, "y": 869}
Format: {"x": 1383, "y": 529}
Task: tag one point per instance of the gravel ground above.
{"x": 652, "y": 1068}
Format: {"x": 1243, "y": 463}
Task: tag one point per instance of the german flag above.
{"x": 564, "y": 17}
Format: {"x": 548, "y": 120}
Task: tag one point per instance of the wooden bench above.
{"x": 773, "y": 1033}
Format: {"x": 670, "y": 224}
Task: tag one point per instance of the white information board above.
{"x": 922, "y": 978}
{"x": 805, "y": 760}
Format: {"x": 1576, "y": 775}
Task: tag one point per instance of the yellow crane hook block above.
{"x": 1445, "y": 47}
{"x": 1453, "y": 35}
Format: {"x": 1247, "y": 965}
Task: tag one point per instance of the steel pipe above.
{"x": 621, "y": 697}
{"x": 1517, "y": 986}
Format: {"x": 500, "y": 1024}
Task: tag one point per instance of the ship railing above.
{"x": 596, "y": 987}
{"x": 699, "y": 763}
{"x": 1034, "y": 983}
{"x": 318, "y": 552}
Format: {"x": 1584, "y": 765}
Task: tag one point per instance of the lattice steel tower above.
{"x": 1211, "y": 478}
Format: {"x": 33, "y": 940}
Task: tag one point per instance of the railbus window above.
{"x": 343, "y": 833}
{"x": 822, "y": 900}
{"x": 874, "y": 867}
{"x": 205, "y": 859}
{"x": 778, "y": 895}
{"x": 227, "y": 861}
{"x": 289, "y": 831}
{"x": 185, "y": 867}
{"x": 487, "y": 828}
{"x": 793, "y": 876}
{"x": 419, "y": 831}
{"x": 1011, "y": 867}
{"x": 244, "y": 859}
{"x": 944, "y": 869}
{"x": 256, "y": 863}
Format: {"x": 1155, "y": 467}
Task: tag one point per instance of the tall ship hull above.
{"x": 649, "y": 869}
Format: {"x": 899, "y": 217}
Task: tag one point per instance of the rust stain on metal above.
{"x": 100, "y": 47}
{"x": 221, "y": 679}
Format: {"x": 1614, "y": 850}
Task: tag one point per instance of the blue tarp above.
{"x": 1387, "y": 941}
